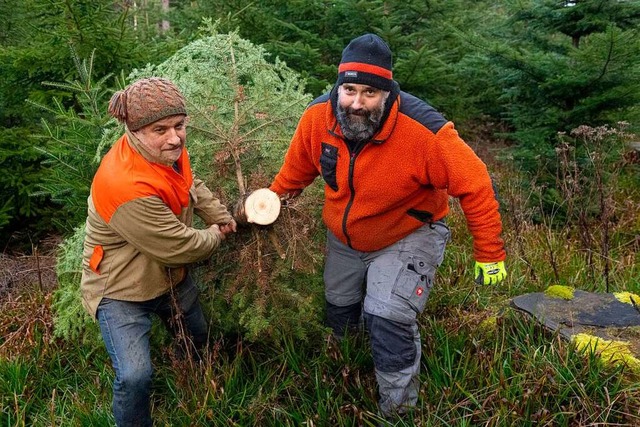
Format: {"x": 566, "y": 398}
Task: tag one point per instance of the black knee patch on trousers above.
{"x": 392, "y": 343}
{"x": 341, "y": 319}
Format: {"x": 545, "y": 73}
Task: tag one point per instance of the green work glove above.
{"x": 489, "y": 273}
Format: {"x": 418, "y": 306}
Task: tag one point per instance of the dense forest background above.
{"x": 524, "y": 71}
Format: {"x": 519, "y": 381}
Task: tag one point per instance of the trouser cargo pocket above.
{"x": 414, "y": 282}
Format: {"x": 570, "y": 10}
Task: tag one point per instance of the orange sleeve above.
{"x": 299, "y": 168}
{"x": 465, "y": 176}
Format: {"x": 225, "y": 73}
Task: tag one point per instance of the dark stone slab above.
{"x": 586, "y": 310}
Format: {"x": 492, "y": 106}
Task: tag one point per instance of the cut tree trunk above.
{"x": 260, "y": 207}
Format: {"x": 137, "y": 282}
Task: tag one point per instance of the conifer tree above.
{"x": 566, "y": 64}
{"x": 243, "y": 111}
{"x": 74, "y": 143}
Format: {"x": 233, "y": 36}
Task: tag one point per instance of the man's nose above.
{"x": 174, "y": 137}
{"x": 357, "y": 102}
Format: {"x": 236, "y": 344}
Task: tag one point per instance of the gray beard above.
{"x": 359, "y": 128}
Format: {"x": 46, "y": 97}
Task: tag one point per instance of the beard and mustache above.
{"x": 360, "y": 125}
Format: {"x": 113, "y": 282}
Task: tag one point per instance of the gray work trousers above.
{"x": 392, "y": 286}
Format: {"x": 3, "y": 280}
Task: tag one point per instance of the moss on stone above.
{"x": 626, "y": 297}
{"x": 559, "y": 291}
{"x": 614, "y": 353}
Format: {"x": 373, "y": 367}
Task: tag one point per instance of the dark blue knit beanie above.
{"x": 366, "y": 60}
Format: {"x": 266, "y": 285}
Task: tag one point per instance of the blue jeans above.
{"x": 126, "y": 327}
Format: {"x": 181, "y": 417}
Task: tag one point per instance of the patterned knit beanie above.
{"x": 146, "y": 101}
{"x": 366, "y": 60}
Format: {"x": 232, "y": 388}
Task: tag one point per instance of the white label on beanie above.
{"x": 353, "y": 74}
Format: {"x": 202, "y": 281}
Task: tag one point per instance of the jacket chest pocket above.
{"x": 328, "y": 164}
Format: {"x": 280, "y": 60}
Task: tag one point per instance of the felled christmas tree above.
{"x": 243, "y": 111}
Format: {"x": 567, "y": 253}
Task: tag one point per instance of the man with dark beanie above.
{"x": 139, "y": 240}
{"x": 390, "y": 162}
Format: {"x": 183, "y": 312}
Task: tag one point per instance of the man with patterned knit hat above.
{"x": 390, "y": 162}
{"x": 139, "y": 240}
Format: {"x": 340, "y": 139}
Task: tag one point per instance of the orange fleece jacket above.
{"x": 400, "y": 180}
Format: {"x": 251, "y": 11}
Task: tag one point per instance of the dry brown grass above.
{"x": 26, "y": 285}
{"x": 25, "y": 321}
{"x": 21, "y": 272}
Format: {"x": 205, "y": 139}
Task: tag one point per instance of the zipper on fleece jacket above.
{"x": 352, "y": 161}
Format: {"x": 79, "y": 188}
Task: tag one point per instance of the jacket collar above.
{"x": 389, "y": 117}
